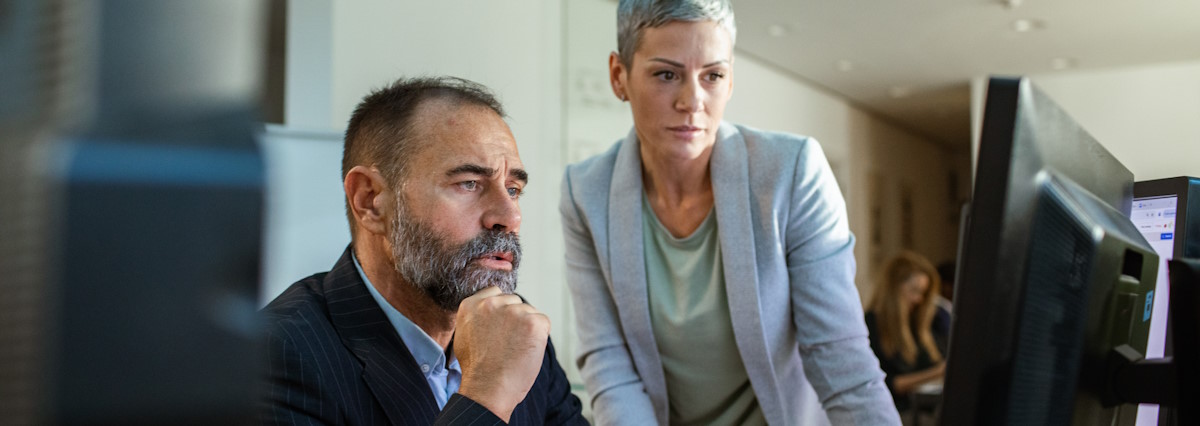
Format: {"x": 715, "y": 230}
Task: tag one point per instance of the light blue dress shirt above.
{"x": 443, "y": 377}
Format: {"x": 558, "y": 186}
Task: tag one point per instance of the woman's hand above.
{"x": 906, "y": 383}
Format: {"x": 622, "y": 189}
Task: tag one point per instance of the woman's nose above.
{"x": 690, "y": 97}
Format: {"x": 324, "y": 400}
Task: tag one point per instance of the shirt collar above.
{"x": 424, "y": 349}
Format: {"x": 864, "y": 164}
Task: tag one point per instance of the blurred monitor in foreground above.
{"x": 130, "y": 212}
{"x": 1053, "y": 276}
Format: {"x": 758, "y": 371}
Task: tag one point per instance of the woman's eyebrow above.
{"x": 680, "y": 64}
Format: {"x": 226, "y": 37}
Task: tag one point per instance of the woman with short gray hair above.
{"x": 710, "y": 264}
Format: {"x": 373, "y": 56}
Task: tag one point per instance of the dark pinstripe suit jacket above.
{"x": 335, "y": 359}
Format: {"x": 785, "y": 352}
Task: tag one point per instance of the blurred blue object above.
{"x": 131, "y": 220}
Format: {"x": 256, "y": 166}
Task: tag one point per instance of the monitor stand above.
{"x": 1134, "y": 379}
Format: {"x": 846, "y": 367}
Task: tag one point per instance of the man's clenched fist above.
{"x": 500, "y": 342}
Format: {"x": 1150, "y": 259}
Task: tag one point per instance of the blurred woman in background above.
{"x": 899, "y": 318}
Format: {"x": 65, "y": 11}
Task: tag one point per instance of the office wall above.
{"x": 1148, "y": 117}
{"x": 877, "y": 163}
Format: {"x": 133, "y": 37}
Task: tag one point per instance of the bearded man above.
{"x": 417, "y": 322}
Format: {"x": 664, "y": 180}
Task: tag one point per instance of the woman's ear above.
{"x": 369, "y": 199}
{"x": 617, "y": 76}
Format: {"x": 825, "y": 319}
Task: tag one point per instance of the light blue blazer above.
{"x": 789, "y": 274}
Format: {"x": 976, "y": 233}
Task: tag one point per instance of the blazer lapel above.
{"x": 629, "y": 267}
{"x": 388, "y": 367}
{"x": 731, "y": 194}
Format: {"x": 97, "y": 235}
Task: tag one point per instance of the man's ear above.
{"x": 370, "y": 198}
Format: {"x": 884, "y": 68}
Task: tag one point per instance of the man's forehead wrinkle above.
{"x": 512, "y": 172}
{"x": 517, "y": 170}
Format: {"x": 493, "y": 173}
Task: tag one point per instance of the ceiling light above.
{"x": 777, "y": 30}
{"x": 897, "y": 92}
{"x": 844, "y": 65}
{"x": 1027, "y": 25}
{"x": 1062, "y": 63}
{"x": 1011, "y": 4}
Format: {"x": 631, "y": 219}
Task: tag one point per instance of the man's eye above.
{"x": 469, "y": 185}
{"x": 515, "y": 192}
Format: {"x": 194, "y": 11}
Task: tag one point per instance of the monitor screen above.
{"x": 1053, "y": 273}
{"x": 1155, "y": 219}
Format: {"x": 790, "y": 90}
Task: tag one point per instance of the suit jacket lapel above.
{"x": 388, "y": 367}
{"x": 731, "y": 194}
{"x": 629, "y": 267}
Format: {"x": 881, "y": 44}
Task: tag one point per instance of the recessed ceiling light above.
{"x": 1027, "y": 25}
{"x": 1062, "y": 63}
{"x": 844, "y": 65}
{"x": 776, "y": 30}
{"x": 1012, "y": 4}
{"x": 898, "y": 92}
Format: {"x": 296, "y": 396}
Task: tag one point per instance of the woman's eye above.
{"x": 715, "y": 76}
{"x": 469, "y": 185}
{"x": 665, "y": 75}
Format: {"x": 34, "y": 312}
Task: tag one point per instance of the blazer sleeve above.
{"x": 618, "y": 395}
{"x": 293, "y": 393}
{"x": 562, "y": 407}
{"x": 460, "y": 410}
{"x": 836, "y": 354}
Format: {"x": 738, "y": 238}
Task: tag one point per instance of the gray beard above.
{"x": 446, "y": 272}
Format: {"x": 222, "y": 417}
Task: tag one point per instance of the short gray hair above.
{"x": 634, "y": 16}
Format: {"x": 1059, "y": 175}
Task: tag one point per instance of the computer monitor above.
{"x": 1053, "y": 274}
{"x": 1167, "y": 213}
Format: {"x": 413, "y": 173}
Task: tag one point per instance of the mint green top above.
{"x": 689, "y": 313}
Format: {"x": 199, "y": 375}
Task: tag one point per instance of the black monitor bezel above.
{"x": 1187, "y": 224}
{"x": 1018, "y": 123}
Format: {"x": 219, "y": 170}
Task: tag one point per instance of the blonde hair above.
{"x": 895, "y": 321}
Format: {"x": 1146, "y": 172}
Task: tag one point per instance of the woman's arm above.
{"x": 906, "y": 383}
{"x": 832, "y": 337}
{"x": 617, "y": 393}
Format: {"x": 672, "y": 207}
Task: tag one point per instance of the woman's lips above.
{"x": 686, "y": 132}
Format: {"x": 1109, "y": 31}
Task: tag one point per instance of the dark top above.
{"x": 335, "y": 359}
{"x": 895, "y": 365}
{"x": 941, "y": 328}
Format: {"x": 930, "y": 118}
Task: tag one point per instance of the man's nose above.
{"x": 502, "y": 211}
